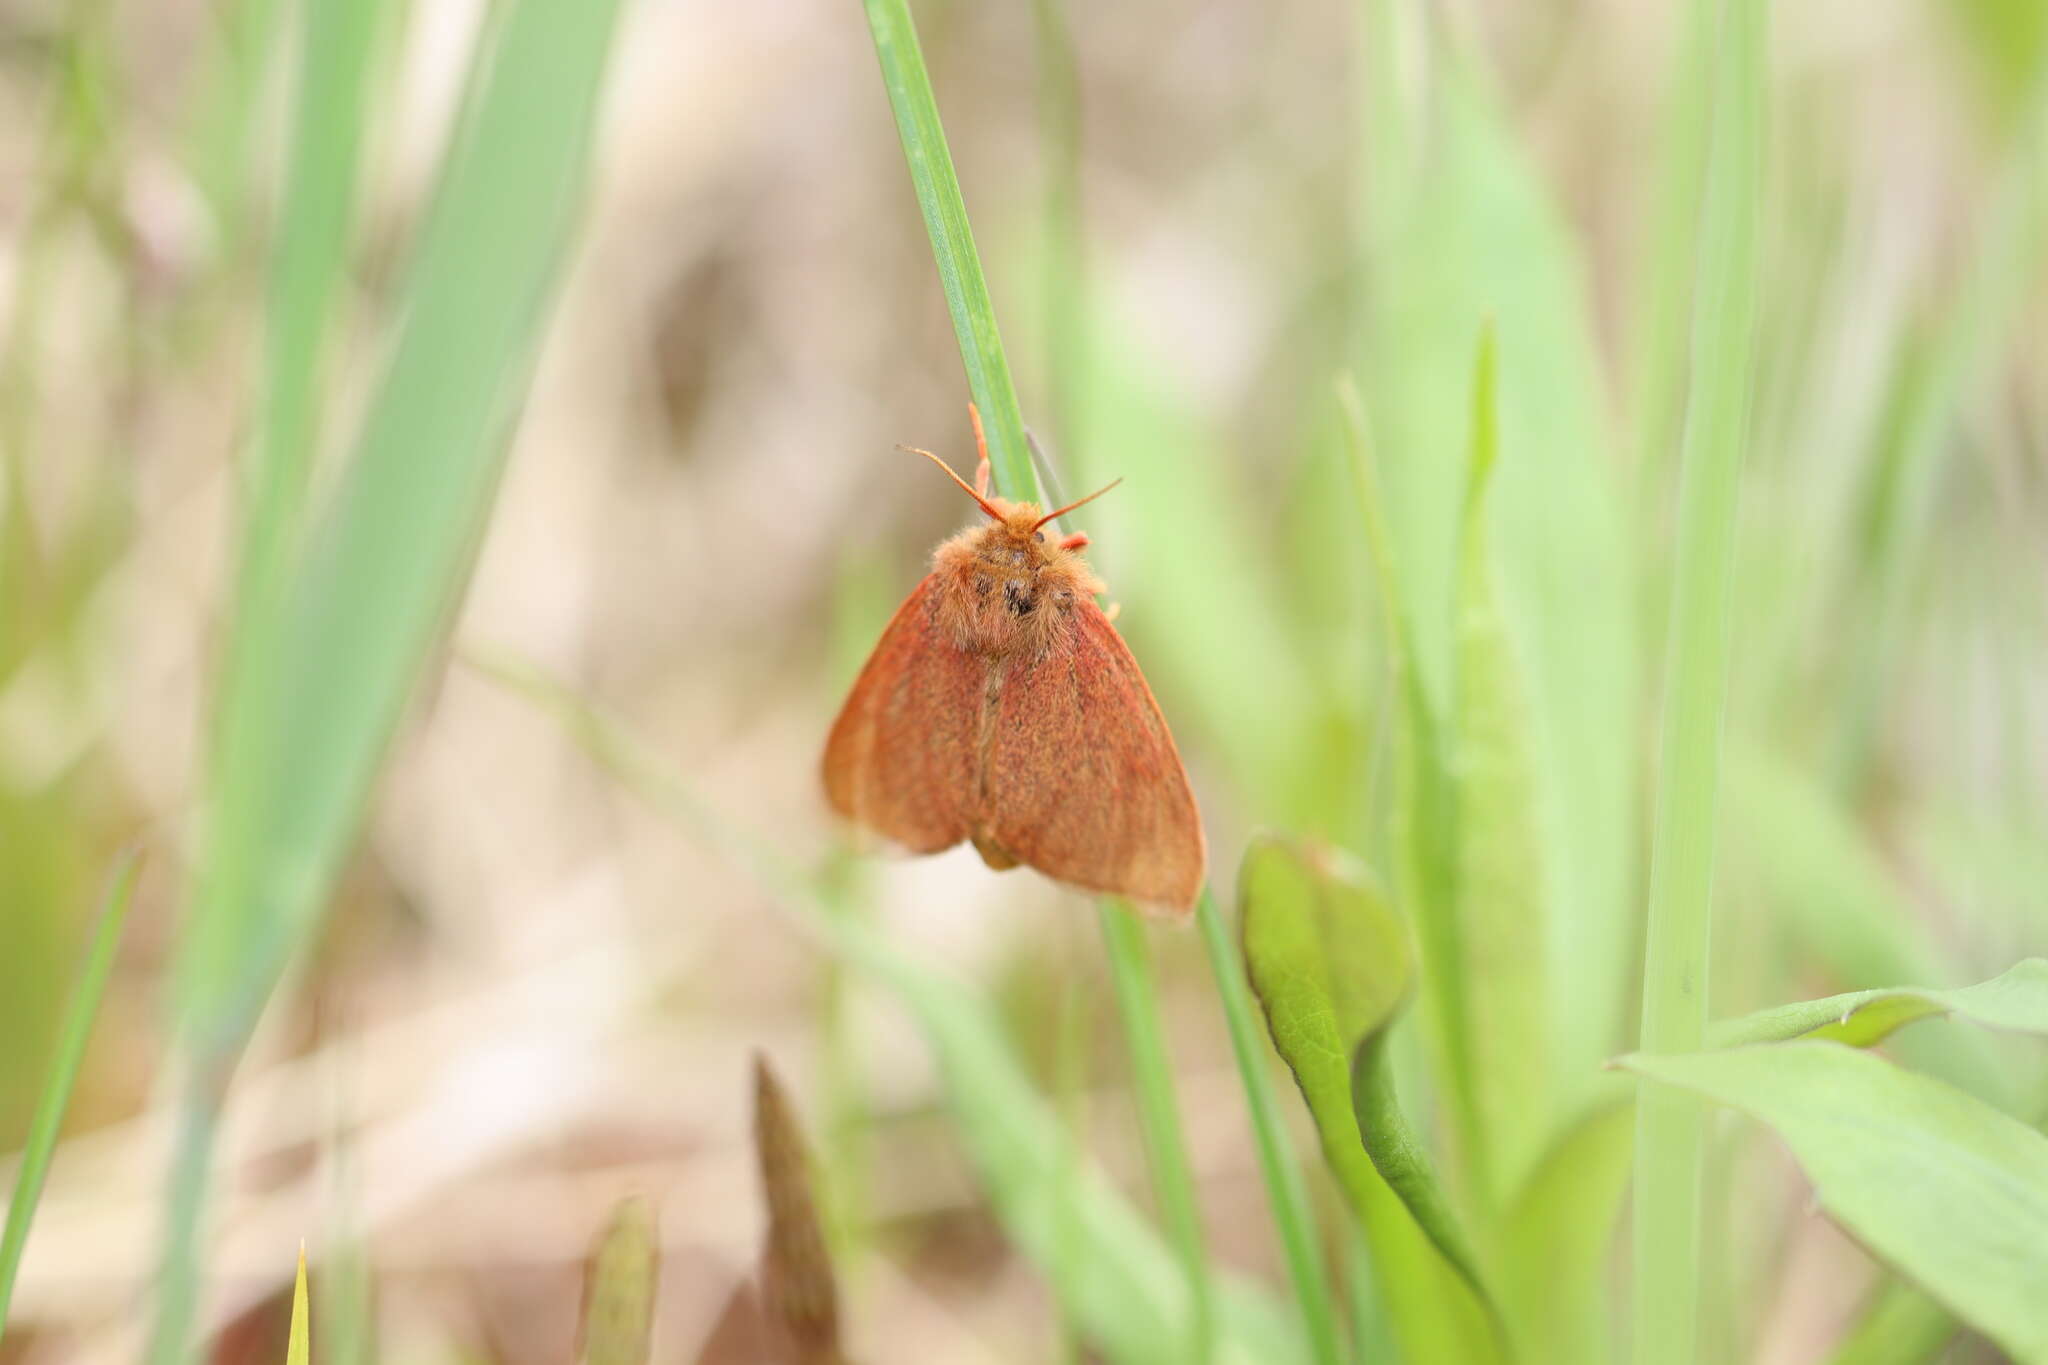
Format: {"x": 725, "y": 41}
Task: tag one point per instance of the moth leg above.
{"x": 981, "y": 449}
{"x": 994, "y": 854}
{"x": 1076, "y": 541}
{"x": 1112, "y": 611}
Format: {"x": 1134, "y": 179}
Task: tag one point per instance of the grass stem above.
{"x": 1284, "y": 1187}
{"x": 1173, "y": 1181}
{"x": 56, "y": 1096}
{"x": 1669, "y": 1127}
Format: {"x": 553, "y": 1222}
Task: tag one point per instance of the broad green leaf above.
{"x": 1500, "y": 881}
{"x": 1943, "y": 1188}
{"x": 619, "y": 1286}
{"x": 63, "y": 1076}
{"x": 1558, "y": 1235}
{"x": 2015, "y": 1001}
{"x": 299, "y": 1344}
{"x": 1329, "y": 963}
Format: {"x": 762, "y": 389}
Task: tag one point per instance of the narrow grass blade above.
{"x": 56, "y": 1095}
{"x": 299, "y": 1343}
{"x": 945, "y": 218}
{"x": 1664, "y": 293}
{"x": 1667, "y": 1214}
{"x": 1501, "y": 906}
{"x": 1173, "y": 1182}
{"x": 387, "y": 563}
{"x": 2015, "y": 1001}
{"x": 308, "y": 270}
{"x": 1944, "y": 1189}
{"x": 620, "y": 1281}
{"x": 1284, "y": 1190}
{"x": 394, "y": 549}
{"x": 1425, "y": 838}
{"x": 1330, "y": 965}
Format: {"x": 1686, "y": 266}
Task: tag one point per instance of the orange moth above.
{"x": 1002, "y": 707}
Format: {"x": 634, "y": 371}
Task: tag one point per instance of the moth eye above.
{"x": 1038, "y": 536}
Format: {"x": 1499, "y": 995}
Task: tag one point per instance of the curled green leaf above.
{"x": 2016, "y": 1001}
{"x": 1330, "y": 964}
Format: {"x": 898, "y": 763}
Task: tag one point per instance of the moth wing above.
{"x": 900, "y": 759}
{"x": 1083, "y": 780}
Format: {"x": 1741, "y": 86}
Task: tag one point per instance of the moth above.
{"x": 1001, "y": 706}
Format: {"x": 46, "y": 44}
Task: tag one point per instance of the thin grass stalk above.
{"x": 56, "y": 1096}
{"x": 945, "y": 218}
{"x": 1285, "y": 1189}
{"x": 1159, "y": 1117}
{"x": 1666, "y": 291}
{"x": 1669, "y": 1128}
{"x": 1063, "y": 271}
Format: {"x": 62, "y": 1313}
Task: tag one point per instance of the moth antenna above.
{"x": 981, "y": 449}
{"x": 1049, "y": 516}
{"x": 965, "y": 487}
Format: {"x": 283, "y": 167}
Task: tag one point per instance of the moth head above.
{"x": 1021, "y": 521}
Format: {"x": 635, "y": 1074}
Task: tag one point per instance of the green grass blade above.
{"x": 945, "y": 218}
{"x": 299, "y": 1343}
{"x": 1669, "y": 1130}
{"x": 388, "y": 561}
{"x": 394, "y": 549}
{"x": 1284, "y": 1188}
{"x": 1664, "y": 291}
{"x": 56, "y": 1095}
{"x": 1173, "y": 1182}
{"x": 308, "y": 270}
{"x": 1425, "y": 809}
{"x": 1944, "y": 1189}
{"x": 1501, "y": 910}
